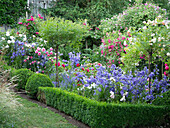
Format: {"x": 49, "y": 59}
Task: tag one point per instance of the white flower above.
{"x": 159, "y": 39}
{"x": 150, "y": 44}
{"x": 159, "y": 16}
{"x": 33, "y": 36}
{"x": 144, "y": 22}
{"x": 13, "y": 41}
{"x": 20, "y": 35}
{"x": 41, "y": 39}
{"x": 24, "y": 39}
{"x": 3, "y": 38}
{"x": 11, "y": 37}
{"x": 112, "y": 95}
{"x": 93, "y": 85}
{"x": 153, "y": 34}
{"x": 153, "y": 40}
{"x": 9, "y": 41}
{"x": 164, "y": 45}
{"x": 124, "y": 43}
{"x": 123, "y": 99}
{"x": 168, "y": 54}
{"x": 144, "y": 27}
{"x": 28, "y": 45}
{"x": 7, "y": 33}
{"x": 33, "y": 44}
{"x": 7, "y": 46}
{"x": 111, "y": 78}
{"x": 45, "y": 41}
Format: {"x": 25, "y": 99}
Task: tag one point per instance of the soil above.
{"x": 70, "y": 119}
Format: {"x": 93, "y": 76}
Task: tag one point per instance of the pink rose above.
{"x": 39, "y": 53}
{"x": 166, "y": 68}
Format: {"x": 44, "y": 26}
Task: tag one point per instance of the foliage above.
{"x": 12, "y": 10}
{"x": 163, "y": 100}
{"x": 23, "y": 75}
{"x": 35, "y": 81}
{"x": 152, "y": 39}
{"x": 100, "y": 114}
{"x": 132, "y": 17}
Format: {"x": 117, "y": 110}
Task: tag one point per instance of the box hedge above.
{"x": 103, "y": 115}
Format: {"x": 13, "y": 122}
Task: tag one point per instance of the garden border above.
{"x": 91, "y": 112}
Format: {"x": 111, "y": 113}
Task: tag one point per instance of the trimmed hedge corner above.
{"x": 35, "y": 81}
{"x": 100, "y": 114}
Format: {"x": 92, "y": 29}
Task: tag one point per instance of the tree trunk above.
{"x": 57, "y": 79}
{"x": 150, "y": 62}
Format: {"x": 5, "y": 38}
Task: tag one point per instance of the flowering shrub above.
{"x": 111, "y": 83}
{"x": 132, "y": 17}
{"x": 151, "y": 42}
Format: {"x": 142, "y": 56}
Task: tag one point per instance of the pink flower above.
{"x": 17, "y": 32}
{"x": 36, "y": 32}
{"x": 166, "y": 68}
{"x": 165, "y": 74}
{"x": 109, "y": 40}
{"x": 101, "y": 51}
{"x": 84, "y": 23}
{"x": 28, "y": 19}
{"x": 63, "y": 65}
{"x": 129, "y": 35}
{"x": 82, "y": 68}
{"x": 87, "y": 70}
{"x": 43, "y": 49}
{"x": 36, "y": 51}
{"x": 97, "y": 28}
{"x": 51, "y": 53}
{"x": 39, "y": 53}
{"x": 29, "y": 63}
{"x": 48, "y": 55}
{"x": 123, "y": 38}
{"x": 166, "y": 65}
{"x": 49, "y": 58}
{"x": 31, "y": 57}
{"x": 42, "y": 71}
{"x": 90, "y": 29}
{"x": 46, "y": 52}
{"x": 25, "y": 60}
{"x": 19, "y": 22}
{"x": 78, "y": 65}
{"x": 34, "y": 61}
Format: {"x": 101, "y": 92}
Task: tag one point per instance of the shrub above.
{"x": 23, "y": 75}
{"x": 163, "y": 100}
{"x": 36, "y": 81}
{"x": 100, "y": 114}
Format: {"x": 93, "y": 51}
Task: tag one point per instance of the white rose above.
{"x": 7, "y": 33}
{"x": 9, "y": 41}
{"x": 7, "y": 46}
{"x": 3, "y": 38}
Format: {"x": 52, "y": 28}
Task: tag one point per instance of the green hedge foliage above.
{"x": 35, "y": 81}
{"x": 12, "y": 10}
{"x": 165, "y": 100}
{"x": 100, "y": 114}
{"x": 22, "y": 77}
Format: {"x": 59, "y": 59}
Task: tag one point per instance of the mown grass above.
{"x": 16, "y": 112}
{"x": 30, "y": 115}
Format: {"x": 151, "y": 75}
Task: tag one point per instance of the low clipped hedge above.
{"x": 35, "y": 81}
{"x": 100, "y": 114}
{"x": 23, "y": 75}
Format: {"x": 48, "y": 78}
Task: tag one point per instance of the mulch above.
{"x": 70, "y": 119}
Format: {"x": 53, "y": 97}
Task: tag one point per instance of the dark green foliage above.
{"x": 22, "y": 77}
{"x": 12, "y": 10}
{"x": 100, "y": 114}
{"x": 35, "y": 81}
{"x": 165, "y": 100}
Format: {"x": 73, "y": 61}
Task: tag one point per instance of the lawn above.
{"x": 31, "y": 115}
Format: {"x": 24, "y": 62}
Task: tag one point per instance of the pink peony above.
{"x": 48, "y": 55}
{"x": 46, "y": 52}
{"x": 166, "y": 65}
{"x": 43, "y": 49}
{"x": 109, "y": 40}
{"x": 36, "y": 32}
{"x": 19, "y": 22}
{"x": 39, "y": 53}
{"x": 166, "y": 68}
{"x": 123, "y": 38}
{"x": 51, "y": 53}
{"x": 87, "y": 70}
{"x": 25, "y": 60}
